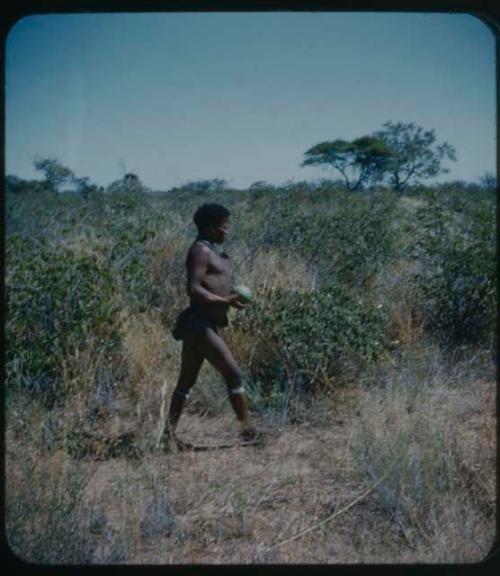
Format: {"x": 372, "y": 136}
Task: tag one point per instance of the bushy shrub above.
{"x": 348, "y": 239}
{"x": 57, "y": 302}
{"x": 33, "y": 213}
{"x": 328, "y": 333}
{"x": 456, "y": 278}
{"x": 130, "y": 259}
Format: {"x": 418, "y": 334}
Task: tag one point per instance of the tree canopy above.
{"x": 415, "y": 154}
{"x": 55, "y": 173}
{"x": 402, "y": 154}
{"x": 361, "y": 161}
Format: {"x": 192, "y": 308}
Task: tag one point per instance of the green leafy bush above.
{"x": 349, "y": 238}
{"x": 130, "y": 258}
{"x": 456, "y": 278}
{"x": 329, "y": 332}
{"x": 57, "y": 303}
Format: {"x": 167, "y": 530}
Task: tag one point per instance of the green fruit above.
{"x": 245, "y": 294}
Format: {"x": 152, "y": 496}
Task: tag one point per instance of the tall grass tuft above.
{"x": 405, "y": 438}
{"x": 44, "y": 504}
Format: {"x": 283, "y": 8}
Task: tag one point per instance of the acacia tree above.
{"x": 361, "y": 161}
{"x": 55, "y": 173}
{"x": 415, "y": 154}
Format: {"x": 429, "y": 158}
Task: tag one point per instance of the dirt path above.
{"x": 266, "y": 504}
{"x": 238, "y": 505}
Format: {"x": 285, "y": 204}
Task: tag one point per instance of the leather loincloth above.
{"x": 192, "y": 321}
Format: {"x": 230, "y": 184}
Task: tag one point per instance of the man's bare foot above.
{"x": 174, "y": 444}
{"x": 251, "y": 436}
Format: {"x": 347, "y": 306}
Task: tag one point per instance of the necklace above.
{"x": 217, "y": 248}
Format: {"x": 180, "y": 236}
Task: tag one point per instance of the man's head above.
{"x": 212, "y": 221}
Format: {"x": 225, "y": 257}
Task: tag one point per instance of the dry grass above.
{"x": 428, "y": 426}
{"x": 270, "y": 269}
{"x": 395, "y": 290}
{"x": 229, "y": 506}
{"x": 44, "y": 507}
{"x": 417, "y": 438}
{"x": 152, "y": 358}
{"x": 407, "y": 320}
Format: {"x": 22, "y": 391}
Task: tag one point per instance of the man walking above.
{"x": 209, "y": 288}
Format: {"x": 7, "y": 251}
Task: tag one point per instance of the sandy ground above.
{"x": 274, "y": 504}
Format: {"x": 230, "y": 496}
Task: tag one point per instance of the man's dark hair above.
{"x": 209, "y": 214}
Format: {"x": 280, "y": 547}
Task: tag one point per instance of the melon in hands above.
{"x": 244, "y": 293}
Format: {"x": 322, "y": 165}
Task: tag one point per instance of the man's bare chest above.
{"x": 218, "y": 265}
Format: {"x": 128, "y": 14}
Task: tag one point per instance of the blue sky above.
{"x": 240, "y": 96}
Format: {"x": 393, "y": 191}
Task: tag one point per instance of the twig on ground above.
{"x": 162, "y": 413}
{"x": 314, "y": 526}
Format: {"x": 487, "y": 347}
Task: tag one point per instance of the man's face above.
{"x": 220, "y": 231}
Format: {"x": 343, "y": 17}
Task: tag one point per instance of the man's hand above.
{"x": 233, "y": 300}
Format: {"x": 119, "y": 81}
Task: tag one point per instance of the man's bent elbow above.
{"x": 199, "y": 295}
{"x": 194, "y": 291}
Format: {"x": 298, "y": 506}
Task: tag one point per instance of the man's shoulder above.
{"x": 198, "y": 249}
{"x": 199, "y": 246}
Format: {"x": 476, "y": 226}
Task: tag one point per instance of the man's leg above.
{"x": 191, "y": 361}
{"x": 215, "y": 350}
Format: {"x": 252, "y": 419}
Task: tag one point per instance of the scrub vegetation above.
{"x": 368, "y": 354}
